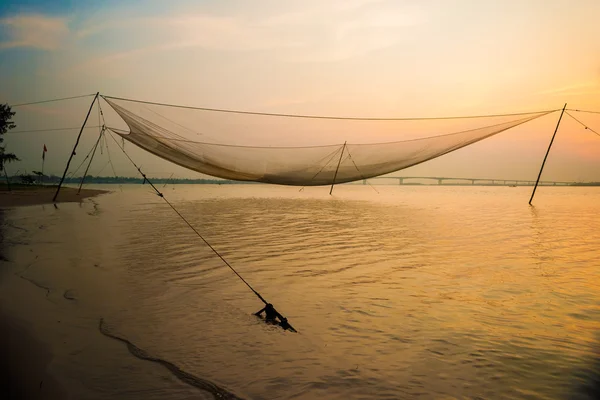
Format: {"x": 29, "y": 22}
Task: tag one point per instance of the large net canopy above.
{"x": 274, "y": 148}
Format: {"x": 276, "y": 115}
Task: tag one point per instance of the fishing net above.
{"x": 272, "y": 148}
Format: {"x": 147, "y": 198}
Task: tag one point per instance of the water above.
{"x": 429, "y": 292}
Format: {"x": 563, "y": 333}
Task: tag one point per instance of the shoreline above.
{"x": 26, "y": 365}
{"x": 25, "y": 359}
{"x": 36, "y": 195}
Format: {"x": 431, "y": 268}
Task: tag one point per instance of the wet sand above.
{"x": 23, "y": 373}
{"x": 28, "y": 196}
{"x": 24, "y": 361}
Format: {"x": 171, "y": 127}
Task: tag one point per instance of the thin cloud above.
{"x": 193, "y": 31}
{"x": 222, "y": 33}
{"x": 347, "y": 31}
{"x": 34, "y": 31}
{"x": 306, "y": 35}
{"x": 578, "y": 88}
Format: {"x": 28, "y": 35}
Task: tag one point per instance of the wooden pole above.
{"x": 90, "y": 163}
{"x": 167, "y": 182}
{"x": 338, "y": 167}
{"x": 43, "y": 161}
{"x": 548, "y": 151}
{"x": 75, "y": 147}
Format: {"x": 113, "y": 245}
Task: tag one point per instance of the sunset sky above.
{"x": 354, "y": 57}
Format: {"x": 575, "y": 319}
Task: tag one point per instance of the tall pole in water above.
{"x": 337, "y": 168}
{"x": 75, "y": 147}
{"x": 548, "y": 151}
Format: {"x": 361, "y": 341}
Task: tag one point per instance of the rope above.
{"x": 332, "y": 154}
{"x": 516, "y": 122}
{"x": 189, "y": 141}
{"x": 82, "y": 162}
{"x": 582, "y": 124}
{"x": 583, "y": 111}
{"x": 321, "y": 116}
{"x": 168, "y": 180}
{"x": 51, "y": 100}
{"x": 110, "y": 161}
{"x": 103, "y": 124}
{"x": 337, "y": 168}
{"x": 360, "y": 173}
{"x": 102, "y": 169}
{"x": 100, "y": 123}
{"x": 107, "y": 148}
{"x": 98, "y": 142}
{"x": 173, "y": 122}
{"x": 187, "y": 222}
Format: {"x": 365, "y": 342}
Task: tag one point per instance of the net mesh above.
{"x": 175, "y": 135}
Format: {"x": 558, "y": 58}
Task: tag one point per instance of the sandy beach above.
{"x": 28, "y": 196}
{"x": 24, "y": 363}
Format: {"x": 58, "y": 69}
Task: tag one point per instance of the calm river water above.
{"x": 428, "y": 292}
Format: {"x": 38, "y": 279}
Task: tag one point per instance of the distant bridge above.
{"x": 473, "y": 181}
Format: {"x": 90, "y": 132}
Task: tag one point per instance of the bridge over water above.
{"x": 444, "y": 180}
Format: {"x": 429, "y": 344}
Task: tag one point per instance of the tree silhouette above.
{"x": 6, "y": 124}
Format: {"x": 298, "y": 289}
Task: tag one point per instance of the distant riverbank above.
{"x": 121, "y": 180}
{"x": 90, "y": 179}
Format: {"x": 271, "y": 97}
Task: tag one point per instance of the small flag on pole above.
{"x": 44, "y": 152}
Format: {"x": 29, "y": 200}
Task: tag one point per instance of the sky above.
{"x": 371, "y": 58}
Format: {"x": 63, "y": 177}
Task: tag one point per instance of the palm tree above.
{"x": 6, "y": 124}
{"x": 6, "y": 158}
